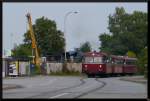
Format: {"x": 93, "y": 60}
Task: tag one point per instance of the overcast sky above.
{"x": 86, "y": 25}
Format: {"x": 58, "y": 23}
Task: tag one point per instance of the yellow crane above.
{"x": 36, "y": 58}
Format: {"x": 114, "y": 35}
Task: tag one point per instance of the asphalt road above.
{"x": 53, "y": 87}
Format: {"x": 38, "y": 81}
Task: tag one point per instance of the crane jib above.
{"x": 36, "y": 58}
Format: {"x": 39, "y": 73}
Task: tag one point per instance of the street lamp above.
{"x": 65, "y": 28}
{"x": 11, "y": 43}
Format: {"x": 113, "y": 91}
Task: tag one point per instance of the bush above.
{"x": 145, "y": 74}
{"x": 131, "y": 54}
{"x": 142, "y": 61}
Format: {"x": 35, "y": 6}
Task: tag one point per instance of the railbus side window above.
{"x": 118, "y": 61}
{"x": 131, "y": 62}
{"x": 110, "y": 60}
{"x": 124, "y": 62}
{"x": 105, "y": 59}
{"x": 83, "y": 60}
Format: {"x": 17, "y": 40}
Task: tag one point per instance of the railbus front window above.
{"x": 95, "y": 60}
{"x": 88, "y": 60}
{"x": 98, "y": 60}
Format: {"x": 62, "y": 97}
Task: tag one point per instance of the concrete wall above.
{"x": 77, "y": 67}
{"x": 54, "y": 67}
{"x": 57, "y": 67}
{"x": 24, "y": 68}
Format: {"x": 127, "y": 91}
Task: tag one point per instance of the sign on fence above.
{"x": 13, "y": 69}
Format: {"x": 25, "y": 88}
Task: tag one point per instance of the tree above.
{"x": 115, "y": 21}
{"x": 85, "y": 47}
{"x": 143, "y": 61}
{"x": 131, "y": 54}
{"x": 22, "y": 50}
{"x": 128, "y": 32}
{"x": 105, "y": 42}
{"x": 49, "y": 39}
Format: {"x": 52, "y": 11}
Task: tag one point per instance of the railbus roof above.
{"x": 95, "y": 54}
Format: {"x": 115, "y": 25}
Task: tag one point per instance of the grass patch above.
{"x": 65, "y": 74}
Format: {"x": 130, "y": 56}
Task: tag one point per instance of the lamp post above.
{"x": 65, "y": 28}
{"x": 11, "y": 43}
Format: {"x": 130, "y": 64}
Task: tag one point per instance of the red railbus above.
{"x": 117, "y": 64}
{"x": 94, "y": 63}
{"x": 129, "y": 66}
{"x": 123, "y": 65}
{"x": 99, "y": 63}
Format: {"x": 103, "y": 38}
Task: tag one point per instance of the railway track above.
{"x": 55, "y": 91}
{"x": 95, "y": 89}
{"x": 67, "y": 88}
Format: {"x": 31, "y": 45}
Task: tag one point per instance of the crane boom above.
{"x": 36, "y": 59}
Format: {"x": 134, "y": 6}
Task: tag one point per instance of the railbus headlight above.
{"x": 85, "y": 67}
{"x": 100, "y": 67}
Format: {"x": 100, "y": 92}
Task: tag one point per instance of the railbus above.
{"x": 102, "y": 64}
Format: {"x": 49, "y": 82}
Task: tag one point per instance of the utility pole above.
{"x": 65, "y": 30}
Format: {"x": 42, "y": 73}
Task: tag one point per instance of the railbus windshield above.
{"x": 94, "y": 60}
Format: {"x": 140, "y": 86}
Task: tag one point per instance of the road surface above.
{"x": 57, "y": 87}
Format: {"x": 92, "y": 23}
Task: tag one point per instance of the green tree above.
{"x": 49, "y": 39}
{"x": 143, "y": 61}
{"x": 131, "y": 54}
{"x": 22, "y": 50}
{"x": 115, "y": 21}
{"x": 128, "y": 32}
{"x": 85, "y": 47}
{"x": 105, "y": 42}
